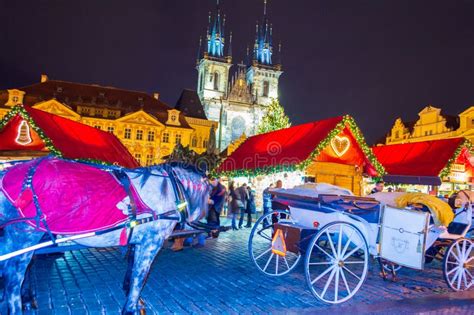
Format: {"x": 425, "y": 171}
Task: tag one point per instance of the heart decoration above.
{"x": 340, "y": 145}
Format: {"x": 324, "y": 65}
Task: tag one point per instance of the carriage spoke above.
{"x": 323, "y": 274}
{"x": 263, "y": 253}
{"x": 268, "y": 262}
{"x": 339, "y": 243}
{"x": 464, "y": 276}
{"x": 326, "y": 286}
{"x": 452, "y": 270}
{"x": 345, "y": 281}
{"x": 354, "y": 262}
{"x": 353, "y": 274}
{"x": 463, "y": 254}
{"x": 321, "y": 263}
{"x": 459, "y": 279}
{"x": 331, "y": 243}
{"x": 332, "y": 257}
{"x": 459, "y": 253}
{"x": 351, "y": 252}
{"x": 286, "y": 262}
{"x": 347, "y": 244}
{"x": 336, "y": 284}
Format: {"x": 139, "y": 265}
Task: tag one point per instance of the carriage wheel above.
{"x": 458, "y": 265}
{"x": 336, "y": 262}
{"x": 260, "y": 245}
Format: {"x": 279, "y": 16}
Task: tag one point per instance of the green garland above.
{"x": 346, "y": 121}
{"x": 447, "y": 169}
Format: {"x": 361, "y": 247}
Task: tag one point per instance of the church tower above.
{"x": 264, "y": 72}
{"x": 213, "y": 66}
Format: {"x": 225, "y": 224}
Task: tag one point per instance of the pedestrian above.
{"x": 217, "y": 200}
{"x": 378, "y": 187}
{"x": 235, "y": 204}
{"x": 243, "y": 196}
{"x": 251, "y": 206}
{"x": 279, "y": 184}
{"x": 267, "y": 202}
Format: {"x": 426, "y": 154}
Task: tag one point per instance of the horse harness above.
{"x": 132, "y": 221}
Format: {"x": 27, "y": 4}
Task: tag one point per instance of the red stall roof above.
{"x": 421, "y": 162}
{"x": 289, "y": 148}
{"x": 62, "y": 136}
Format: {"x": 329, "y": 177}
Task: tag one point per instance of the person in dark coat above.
{"x": 235, "y": 204}
{"x": 251, "y": 206}
{"x": 217, "y": 200}
{"x": 243, "y": 197}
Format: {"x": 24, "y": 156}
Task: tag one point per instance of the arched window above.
{"x": 266, "y": 88}
{"x": 194, "y": 142}
{"x": 216, "y": 81}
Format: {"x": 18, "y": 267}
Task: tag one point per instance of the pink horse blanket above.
{"x": 73, "y": 197}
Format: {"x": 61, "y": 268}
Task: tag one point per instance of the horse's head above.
{"x": 196, "y": 190}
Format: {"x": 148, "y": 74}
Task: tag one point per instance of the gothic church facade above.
{"x": 237, "y": 97}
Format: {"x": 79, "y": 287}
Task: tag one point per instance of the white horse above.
{"x": 156, "y": 187}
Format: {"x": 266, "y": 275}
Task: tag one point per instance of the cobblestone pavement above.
{"x": 219, "y": 278}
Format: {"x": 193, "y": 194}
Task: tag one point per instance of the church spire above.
{"x": 215, "y": 34}
{"x": 263, "y": 48}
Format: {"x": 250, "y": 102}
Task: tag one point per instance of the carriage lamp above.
{"x": 182, "y": 205}
{"x": 133, "y": 223}
{"x": 315, "y": 224}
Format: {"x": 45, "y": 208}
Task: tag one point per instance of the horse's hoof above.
{"x": 30, "y": 305}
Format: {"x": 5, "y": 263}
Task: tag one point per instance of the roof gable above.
{"x": 294, "y": 148}
{"x": 427, "y": 158}
{"x": 190, "y": 104}
{"x": 71, "y": 139}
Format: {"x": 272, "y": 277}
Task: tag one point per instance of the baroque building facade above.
{"x": 432, "y": 124}
{"x": 237, "y": 97}
{"x": 148, "y": 127}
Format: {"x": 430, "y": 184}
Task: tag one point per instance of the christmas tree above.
{"x": 274, "y": 118}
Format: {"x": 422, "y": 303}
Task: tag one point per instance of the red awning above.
{"x": 427, "y": 158}
{"x": 289, "y": 147}
{"x": 72, "y": 139}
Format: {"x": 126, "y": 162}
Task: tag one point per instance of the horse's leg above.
{"x": 145, "y": 253}
{"x": 27, "y": 296}
{"x": 16, "y": 237}
{"x": 128, "y": 275}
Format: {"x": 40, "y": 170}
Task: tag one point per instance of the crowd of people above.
{"x": 240, "y": 203}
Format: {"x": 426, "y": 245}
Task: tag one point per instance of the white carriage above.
{"x": 336, "y": 234}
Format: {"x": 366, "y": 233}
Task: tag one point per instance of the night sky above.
{"x": 373, "y": 59}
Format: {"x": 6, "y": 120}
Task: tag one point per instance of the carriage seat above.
{"x": 457, "y": 228}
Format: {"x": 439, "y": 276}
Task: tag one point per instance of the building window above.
{"x": 204, "y": 143}
{"x": 138, "y": 157}
{"x": 151, "y": 136}
{"x": 216, "y": 81}
{"x": 266, "y": 88}
{"x": 128, "y": 133}
{"x": 472, "y": 121}
{"x": 97, "y": 127}
{"x": 166, "y": 137}
{"x": 194, "y": 142}
{"x": 397, "y": 134}
{"x": 139, "y": 134}
{"x": 110, "y": 129}
{"x": 85, "y": 110}
{"x": 149, "y": 159}
{"x": 177, "y": 138}
{"x": 99, "y": 112}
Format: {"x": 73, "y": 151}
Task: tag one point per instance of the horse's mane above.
{"x": 189, "y": 171}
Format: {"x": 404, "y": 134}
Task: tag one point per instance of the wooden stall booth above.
{"x": 327, "y": 151}
{"x": 438, "y": 166}
{"x": 26, "y": 133}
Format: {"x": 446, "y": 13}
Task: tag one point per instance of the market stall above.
{"x": 438, "y": 166}
{"x": 331, "y": 151}
{"x": 26, "y": 133}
